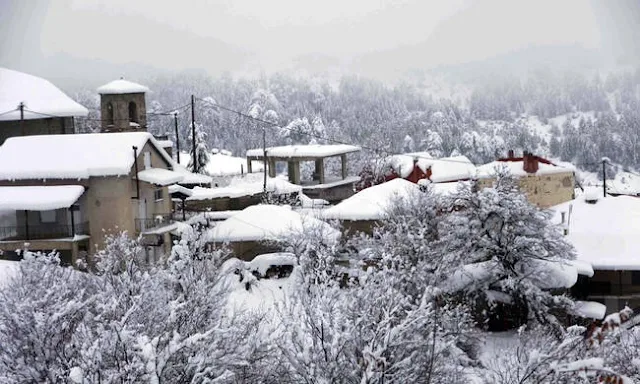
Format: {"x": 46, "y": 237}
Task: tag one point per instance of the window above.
{"x": 110, "y": 114}
{"x": 133, "y": 112}
{"x": 147, "y": 160}
{"x": 635, "y": 277}
{"x": 47, "y": 216}
{"x": 158, "y": 194}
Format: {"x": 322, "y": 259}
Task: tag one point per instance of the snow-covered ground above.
{"x": 222, "y": 163}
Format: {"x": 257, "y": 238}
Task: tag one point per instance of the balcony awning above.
{"x": 39, "y": 198}
{"x": 160, "y": 176}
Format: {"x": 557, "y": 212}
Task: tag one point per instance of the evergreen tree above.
{"x": 199, "y": 163}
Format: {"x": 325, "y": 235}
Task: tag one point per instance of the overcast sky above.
{"x": 238, "y": 35}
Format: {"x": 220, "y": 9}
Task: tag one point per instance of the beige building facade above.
{"x": 544, "y": 190}
{"x": 109, "y": 204}
{"x": 544, "y": 183}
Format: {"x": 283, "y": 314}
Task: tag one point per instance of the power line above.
{"x": 367, "y": 148}
{"x": 269, "y": 124}
{"x": 7, "y": 112}
{"x": 148, "y": 114}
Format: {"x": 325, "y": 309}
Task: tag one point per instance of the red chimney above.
{"x": 530, "y": 162}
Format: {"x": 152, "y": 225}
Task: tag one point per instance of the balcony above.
{"x": 156, "y": 221}
{"x": 42, "y": 232}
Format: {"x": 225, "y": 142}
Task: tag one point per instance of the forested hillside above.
{"x": 573, "y": 116}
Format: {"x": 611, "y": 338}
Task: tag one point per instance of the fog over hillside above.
{"x": 88, "y": 41}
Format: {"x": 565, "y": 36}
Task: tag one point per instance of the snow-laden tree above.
{"x": 369, "y": 327}
{"x": 40, "y": 311}
{"x": 128, "y": 321}
{"x": 198, "y": 163}
{"x": 605, "y": 352}
{"x": 509, "y": 253}
{"x": 301, "y": 131}
{"x": 432, "y": 143}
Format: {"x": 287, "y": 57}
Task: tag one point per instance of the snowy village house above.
{"x": 546, "y": 184}
{"x": 69, "y": 200}
{"x": 30, "y": 105}
{"x": 604, "y": 234}
{"x": 320, "y": 185}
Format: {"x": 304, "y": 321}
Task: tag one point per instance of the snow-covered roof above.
{"x": 175, "y": 188}
{"x": 516, "y": 168}
{"x": 72, "y": 156}
{"x": 371, "y": 203}
{"x": 39, "y": 198}
{"x": 37, "y": 94}
{"x": 223, "y": 164}
{"x": 190, "y": 178}
{"x": 443, "y": 170}
{"x": 451, "y": 169}
{"x": 160, "y": 176}
{"x": 310, "y": 150}
{"x": 604, "y": 234}
{"x": 165, "y": 143}
{"x": 269, "y": 222}
{"x": 245, "y": 186}
{"x": 121, "y": 86}
{"x": 403, "y": 164}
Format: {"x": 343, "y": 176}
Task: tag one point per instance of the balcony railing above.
{"x": 42, "y": 232}
{"x": 153, "y": 222}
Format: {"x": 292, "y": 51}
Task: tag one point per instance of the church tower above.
{"x": 123, "y": 107}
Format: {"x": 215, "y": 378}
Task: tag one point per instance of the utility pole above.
{"x": 604, "y": 177}
{"x": 21, "y": 107}
{"x": 175, "y": 121}
{"x": 193, "y": 133}
{"x": 264, "y": 157}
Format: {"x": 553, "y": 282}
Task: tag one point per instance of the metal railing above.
{"x": 42, "y": 231}
{"x": 153, "y": 222}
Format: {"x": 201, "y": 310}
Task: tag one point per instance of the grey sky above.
{"x": 246, "y": 35}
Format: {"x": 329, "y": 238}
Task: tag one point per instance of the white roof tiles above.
{"x": 41, "y": 98}
{"x": 121, "y": 86}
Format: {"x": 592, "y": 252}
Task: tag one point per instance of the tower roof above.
{"x": 122, "y": 86}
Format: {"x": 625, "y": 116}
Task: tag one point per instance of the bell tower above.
{"x": 123, "y": 107}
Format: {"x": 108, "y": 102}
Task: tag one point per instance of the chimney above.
{"x": 510, "y": 154}
{"x": 529, "y": 162}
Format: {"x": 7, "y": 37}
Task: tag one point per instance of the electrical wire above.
{"x": 378, "y": 150}
{"x": 268, "y": 124}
